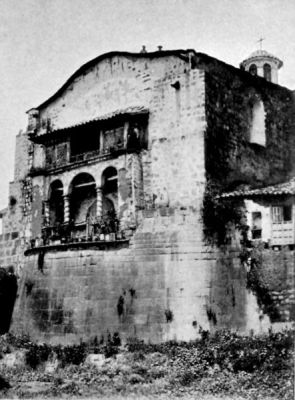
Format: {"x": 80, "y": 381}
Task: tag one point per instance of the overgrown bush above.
{"x": 229, "y": 351}
{"x": 39, "y": 353}
{"x": 74, "y": 354}
{"x": 220, "y": 363}
{"x": 219, "y": 214}
{"x": 36, "y": 354}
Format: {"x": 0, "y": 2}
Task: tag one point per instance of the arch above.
{"x": 56, "y": 203}
{"x": 253, "y": 69}
{"x": 109, "y": 180}
{"x": 267, "y": 72}
{"x": 82, "y": 198}
{"x": 257, "y": 128}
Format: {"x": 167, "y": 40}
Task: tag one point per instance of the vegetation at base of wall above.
{"x": 257, "y": 283}
{"x": 36, "y": 354}
{"x": 256, "y": 367}
{"x": 228, "y": 350}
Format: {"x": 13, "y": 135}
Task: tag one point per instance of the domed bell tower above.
{"x": 263, "y": 64}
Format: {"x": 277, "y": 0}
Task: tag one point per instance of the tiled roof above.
{"x": 133, "y": 110}
{"x": 274, "y": 190}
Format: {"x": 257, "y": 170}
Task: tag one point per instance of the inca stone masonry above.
{"x": 153, "y": 196}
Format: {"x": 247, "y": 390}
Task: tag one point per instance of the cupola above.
{"x": 263, "y": 64}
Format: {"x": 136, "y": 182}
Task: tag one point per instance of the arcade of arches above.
{"x": 86, "y": 210}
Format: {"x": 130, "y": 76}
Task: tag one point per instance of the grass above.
{"x": 221, "y": 366}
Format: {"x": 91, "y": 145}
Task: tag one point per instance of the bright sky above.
{"x": 42, "y": 42}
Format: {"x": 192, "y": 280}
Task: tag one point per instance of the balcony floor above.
{"x": 95, "y": 245}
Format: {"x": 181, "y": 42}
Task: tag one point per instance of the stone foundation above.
{"x": 164, "y": 285}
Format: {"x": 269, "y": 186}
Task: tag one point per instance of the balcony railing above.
{"x": 85, "y": 156}
{"x": 99, "y": 230}
{"x": 91, "y": 155}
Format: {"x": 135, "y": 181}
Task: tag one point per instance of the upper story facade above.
{"x": 119, "y": 137}
{"x": 129, "y": 132}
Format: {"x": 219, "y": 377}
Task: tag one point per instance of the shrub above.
{"x": 37, "y": 354}
{"x": 4, "y": 383}
{"x": 75, "y": 354}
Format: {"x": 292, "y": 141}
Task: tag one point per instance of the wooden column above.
{"x": 125, "y": 134}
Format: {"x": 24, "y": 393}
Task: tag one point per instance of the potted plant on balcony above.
{"x": 102, "y": 229}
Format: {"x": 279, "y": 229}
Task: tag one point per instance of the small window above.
{"x": 12, "y": 202}
{"x": 267, "y": 72}
{"x": 281, "y": 214}
{"x": 253, "y": 69}
{"x": 256, "y": 225}
{"x": 287, "y": 213}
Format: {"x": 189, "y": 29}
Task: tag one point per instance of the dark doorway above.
{"x": 8, "y": 290}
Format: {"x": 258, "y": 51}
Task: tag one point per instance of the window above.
{"x": 257, "y": 128}
{"x": 137, "y": 135}
{"x": 281, "y": 214}
{"x": 267, "y": 72}
{"x": 113, "y": 139}
{"x": 56, "y": 155}
{"x": 256, "y": 225}
{"x": 12, "y": 203}
{"x": 85, "y": 139}
{"x": 253, "y": 69}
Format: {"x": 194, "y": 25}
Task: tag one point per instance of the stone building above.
{"x": 148, "y": 190}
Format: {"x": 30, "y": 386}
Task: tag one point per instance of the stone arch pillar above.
{"x": 98, "y": 201}
{"x": 46, "y": 212}
{"x": 66, "y": 198}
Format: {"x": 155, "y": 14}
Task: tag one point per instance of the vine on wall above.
{"x": 258, "y": 284}
{"x": 220, "y": 214}
{"x": 231, "y": 161}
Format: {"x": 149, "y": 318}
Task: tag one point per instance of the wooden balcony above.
{"x": 85, "y": 158}
{"x": 80, "y": 245}
{"x": 103, "y": 234}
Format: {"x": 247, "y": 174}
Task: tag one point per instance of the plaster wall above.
{"x": 112, "y": 84}
{"x": 251, "y": 207}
